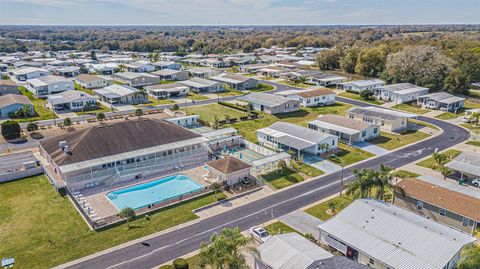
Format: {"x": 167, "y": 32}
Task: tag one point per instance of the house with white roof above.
{"x": 46, "y": 85}
{"x": 161, "y": 65}
{"x": 92, "y": 81}
{"x": 310, "y": 98}
{"x": 325, "y": 79}
{"x": 68, "y": 71}
{"x": 270, "y": 103}
{"x": 26, "y": 73}
{"x": 442, "y": 101}
{"x": 272, "y": 71}
{"x": 467, "y": 163}
{"x": 389, "y": 120}
{"x": 350, "y": 130}
{"x": 162, "y": 91}
{"x": 291, "y": 250}
{"x": 235, "y": 81}
{"x": 201, "y": 85}
{"x": 141, "y": 66}
{"x": 121, "y": 94}
{"x": 71, "y": 100}
{"x": 171, "y": 74}
{"x": 136, "y": 79}
{"x": 358, "y": 86}
{"x": 103, "y": 69}
{"x": 382, "y": 236}
{"x": 286, "y": 136}
{"x": 203, "y": 72}
{"x": 400, "y": 93}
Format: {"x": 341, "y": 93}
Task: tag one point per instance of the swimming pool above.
{"x": 153, "y": 192}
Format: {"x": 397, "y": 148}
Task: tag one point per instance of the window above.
{"x": 333, "y": 142}
{"x": 465, "y": 222}
{"x": 364, "y": 133}
{"x": 375, "y": 130}
{"x": 419, "y": 205}
{"x": 442, "y": 212}
{"x": 371, "y": 261}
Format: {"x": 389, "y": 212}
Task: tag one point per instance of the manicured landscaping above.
{"x": 323, "y": 210}
{"x": 474, "y": 128}
{"x": 231, "y": 93}
{"x": 156, "y": 102}
{"x": 263, "y": 88}
{"x": 85, "y": 90}
{"x": 42, "y": 112}
{"x": 291, "y": 83}
{"x": 207, "y": 112}
{"x": 282, "y": 179}
{"x": 468, "y": 104}
{"x": 279, "y": 227}
{"x": 357, "y": 97}
{"x": 196, "y": 97}
{"x": 404, "y": 174}
{"x": 306, "y": 169}
{"x": 474, "y": 143}
{"x": 306, "y": 114}
{"x": 411, "y": 108}
{"x": 41, "y": 229}
{"x": 428, "y": 125}
{"x": 101, "y": 109}
{"x": 430, "y": 162}
{"x": 349, "y": 155}
{"x": 392, "y": 141}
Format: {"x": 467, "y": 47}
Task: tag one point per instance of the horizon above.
{"x": 238, "y": 12}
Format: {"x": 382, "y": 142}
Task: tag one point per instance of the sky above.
{"x": 238, "y": 12}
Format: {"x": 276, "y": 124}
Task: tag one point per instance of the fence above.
{"x": 21, "y": 174}
{"x": 257, "y": 148}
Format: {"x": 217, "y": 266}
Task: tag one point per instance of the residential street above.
{"x": 170, "y": 245}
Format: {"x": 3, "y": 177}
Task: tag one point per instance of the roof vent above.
{"x": 66, "y": 150}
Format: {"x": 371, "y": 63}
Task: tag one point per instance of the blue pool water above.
{"x": 153, "y": 192}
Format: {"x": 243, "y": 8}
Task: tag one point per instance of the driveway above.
{"x": 321, "y": 163}
{"x": 374, "y": 149}
{"x": 303, "y": 222}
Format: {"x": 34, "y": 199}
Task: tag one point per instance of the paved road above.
{"x": 168, "y": 246}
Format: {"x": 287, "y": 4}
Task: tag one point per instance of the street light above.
{"x": 341, "y": 179}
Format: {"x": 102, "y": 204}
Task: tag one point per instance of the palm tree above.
{"x": 361, "y": 187}
{"x": 445, "y": 171}
{"x": 302, "y": 80}
{"x": 439, "y": 158}
{"x": 383, "y": 181}
{"x": 224, "y": 250}
{"x": 475, "y": 116}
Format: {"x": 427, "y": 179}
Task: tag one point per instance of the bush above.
{"x": 366, "y": 94}
{"x": 100, "y": 116}
{"x": 180, "y": 264}
{"x": 32, "y": 127}
{"x": 67, "y": 122}
{"x": 233, "y": 106}
{"x": 11, "y": 129}
{"x": 138, "y": 112}
{"x": 175, "y": 107}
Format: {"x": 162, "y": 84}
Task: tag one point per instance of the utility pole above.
{"x": 341, "y": 179}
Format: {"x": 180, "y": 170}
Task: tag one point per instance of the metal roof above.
{"x": 363, "y": 83}
{"x": 380, "y": 113}
{"x": 394, "y": 236}
{"x": 271, "y": 158}
{"x": 265, "y": 99}
{"x": 463, "y": 189}
{"x": 116, "y": 90}
{"x": 466, "y": 162}
{"x": 68, "y": 96}
{"x": 290, "y": 250}
{"x": 199, "y": 82}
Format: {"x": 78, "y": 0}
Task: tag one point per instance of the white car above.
{"x": 260, "y": 234}
{"x": 476, "y": 182}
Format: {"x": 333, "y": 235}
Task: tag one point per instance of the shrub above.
{"x": 366, "y": 94}
{"x": 180, "y": 264}
{"x": 67, "y": 122}
{"x": 233, "y": 106}
{"x": 175, "y": 107}
{"x": 100, "y": 116}
{"x": 32, "y": 127}
{"x": 138, "y": 112}
{"x": 10, "y": 129}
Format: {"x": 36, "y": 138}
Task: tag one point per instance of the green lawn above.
{"x": 207, "y": 112}
{"x": 85, "y": 90}
{"x": 428, "y": 125}
{"x": 42, "y": 112}
{"x": 306, "y": 114}
{"x": 282, "y": 179}
{"x": 101, "y": 109}
{"x": 263, "y": 88}
{"x": 475, "y": 128}
{"x": 404, "y": 174}
{"x": 411, "y": 108}
{"x": 279, "y": 227}
{"x": 358, "y": 98}
{"x": 196, "y": 97}
{"x": 430, "y": 162}
{"x": 168, "y": 81}
{"x": 306, "y": 169}
{"x": 231, "y": 93}
{"x": 349, "y": 155}
{"x": 474, "y": 143}
{"x": 392, "y": 141}
{"x": 41, "y": 229}
{"x": 298, "y": 85}
{"x": 321, "y": 210}
{"x": 156, "y": 102}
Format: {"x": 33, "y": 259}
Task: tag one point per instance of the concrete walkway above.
{"x": 229, "y": 205}
{"x": 321, "y": 163}
{"x": 374, "y": 149}
{"x": 389, "y": 104}
{"x": 433, "y": 113}
{"x": 303, "y": 222}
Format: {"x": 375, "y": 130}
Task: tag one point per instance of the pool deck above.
{"x": 104, "y": 207}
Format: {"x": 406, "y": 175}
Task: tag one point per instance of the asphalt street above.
{"x": 182, "y": 241}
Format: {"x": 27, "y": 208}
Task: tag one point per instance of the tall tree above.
{"x": 349, "y": 61}
{"x": 371, "y": 61}
{"x": 328, "y": 59}
{"x": 361, "y": 187}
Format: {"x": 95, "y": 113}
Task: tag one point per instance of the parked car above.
{"x": 260, "y": 234}
{"x": 476, "y": 182}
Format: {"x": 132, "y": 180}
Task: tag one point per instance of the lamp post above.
{"x": 341, "y": 179}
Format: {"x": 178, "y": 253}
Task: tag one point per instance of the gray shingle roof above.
{"x": 265, "y": 99}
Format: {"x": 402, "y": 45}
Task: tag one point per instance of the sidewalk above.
{"x": 302, "y": 222}
{"x": 237, "y": 202}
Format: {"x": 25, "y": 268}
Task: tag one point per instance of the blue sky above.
{"x": 238, "y": 12}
